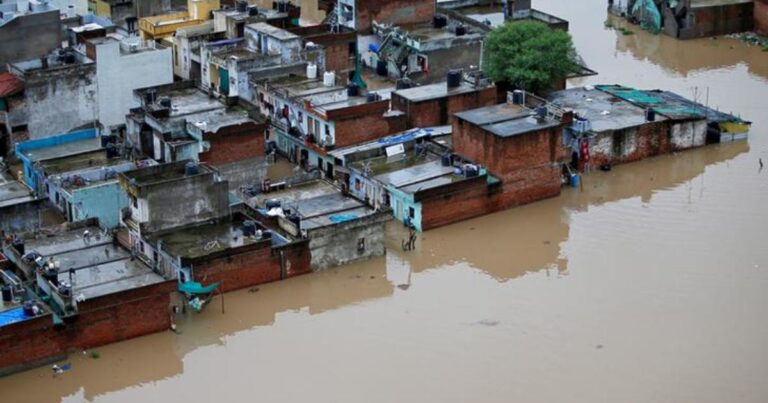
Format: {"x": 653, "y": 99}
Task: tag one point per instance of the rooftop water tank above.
{"x": 192, "y": 168}
{"x": 454, "y": 78}
{"x": 439, "y": 21}
{"x": 353, "y": 89}
{"x": 329, "y": 79}
{"x": 311, "y": 71}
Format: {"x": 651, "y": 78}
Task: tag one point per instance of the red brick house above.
{"x": 434, "y": 104}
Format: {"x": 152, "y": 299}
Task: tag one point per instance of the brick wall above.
{"x": 395, "y": 12}
{"x": 373, "y": 124}
{"x": 101, "y": 321}
{"x": 528, "y": 166}
{"x": 761, "y": 17}
{"x": 235, "y": 143}
{"x": 505, "y": 157}
{"x": 438, "y": 112}
{"x": 617, "y": 147}
{"x": 721, "y": 20}
{"x": 256, "y": 266}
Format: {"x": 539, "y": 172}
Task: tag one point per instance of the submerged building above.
{"x": 340, "y": 229}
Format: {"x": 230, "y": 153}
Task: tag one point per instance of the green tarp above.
{"x": 195, "y": 288}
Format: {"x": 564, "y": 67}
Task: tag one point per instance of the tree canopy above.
{"x": 529, "y": 55}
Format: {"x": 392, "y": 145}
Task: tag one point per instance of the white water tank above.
{"x": 329, "y": 79}
{"x": 311, "y": 71}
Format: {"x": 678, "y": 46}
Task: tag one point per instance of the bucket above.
{"x": 575, "y": 180}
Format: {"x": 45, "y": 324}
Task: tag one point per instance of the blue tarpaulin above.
{"x": 337, "y": 218}
{"x": 192, "y": 287}
{"x": 12, "y": 316}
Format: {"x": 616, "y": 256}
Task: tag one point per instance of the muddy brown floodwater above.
{"x": 648, "y": 286}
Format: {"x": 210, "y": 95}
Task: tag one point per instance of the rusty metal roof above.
{"x": 10, "y": 84}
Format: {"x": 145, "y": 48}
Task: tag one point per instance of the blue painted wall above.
{"x": 31, "y": 178}
{"x": 401, "y": 203}
{"x": 102, "y": 201}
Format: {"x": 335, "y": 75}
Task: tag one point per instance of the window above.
{"x": 412, "y": 212}
{"x": 135, "y": 202}
{"x": 361, "y": 245}
{"x": 352, "y": 49}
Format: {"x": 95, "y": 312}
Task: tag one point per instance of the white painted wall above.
{"x": 119, "y": 74}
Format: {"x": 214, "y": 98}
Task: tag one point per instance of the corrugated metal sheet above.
{"x": 10, "y": 84}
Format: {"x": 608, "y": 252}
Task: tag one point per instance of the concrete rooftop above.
{"x": 64, "y": 150}
{"x": 203, "y": 240}
{"x": 100, "y": 267}
{"x": 435, "y": 91}
{"x": 272, "y": 31}
{"x": 506, "y": 120}
{"x": 12, "y": 192}
{"x": 604, "y": 111}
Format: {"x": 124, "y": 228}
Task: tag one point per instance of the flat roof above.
{"x": 94, "y": 159}
{"x": 299, "y": 86}
{"x": 415, "y": 173}
{"x": 12, "y": 191}
{"x": 187, "y": 101}
{"x": 399, "y": 138}
{"x": 101, "y": 268}
{"x": 206, "y": 239}
{"x": 668, "y": 104}
{"x": 272, "y": 31}
{"x": 213, "y": 121}
{"x": 318, "y": 203}
{"x": 162, "y": 173}
{"x": 436, "y": 91}
{"x": 506, "y": 120}
{"x": 604, "y": 111}
{"x": 304, "y": 190}
{"x": 427, "y": 33}
{"x": 63, "y": 150}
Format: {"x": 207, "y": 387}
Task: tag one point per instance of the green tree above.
{"x": 529, "y": 55}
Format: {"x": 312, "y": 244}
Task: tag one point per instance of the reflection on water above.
{"x": 648, "y": 285}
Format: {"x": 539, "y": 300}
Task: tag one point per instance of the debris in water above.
{"x": 254, "y": 289}
{"x": 547, "y": 242}
{"x": 95, "y": 355}
{"x": 373, "y": 277}
{"x": 486, "y": 322}
{"x": 599, "y": 346}
{"x": 404, "y": 286}
{"x": 61, "y": 369}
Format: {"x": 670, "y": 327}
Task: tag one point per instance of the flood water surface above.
{"x": 647, "y": 286}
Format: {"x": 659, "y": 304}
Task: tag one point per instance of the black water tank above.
{"x": 461, "y": 30}
{"x": 447, "y": 160}
{"x": 29, "y": 308}
{"x": 19, "y": 246}
{"x": 282, "y": 6}
{"x": 454, "y": 78}
{"x": 381, "y": 68}
{"x": 166, "y": 102}
{"x": 650, "y": 115}
{"x": 7, "y": 293}
{"x": 403, "y": 84}
{"x": 249, "y": 228}
{"x": 439, "y": 21}
{"x": 192, "y": 168}
{"x": 242, "y": 6}
{"x": 372, "y": 97}
{"x": 112, "y": 151}
{"x": 353, "y": 89}
{"x": 518, "y": 97}
{"x": 253, "y": 11}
